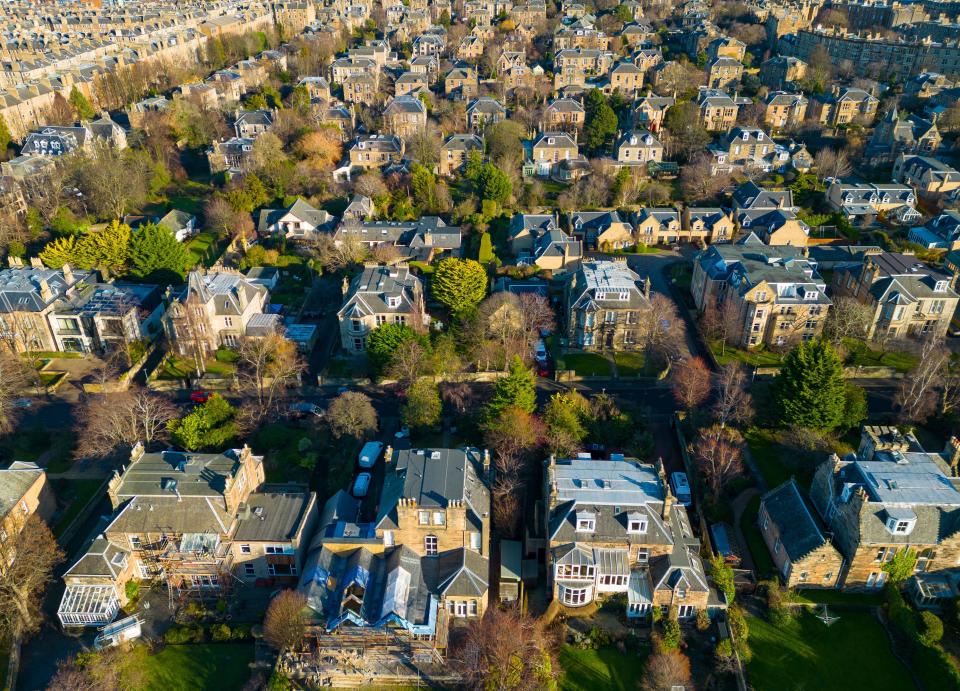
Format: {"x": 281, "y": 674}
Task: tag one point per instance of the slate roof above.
{"x": 798, "y": 531}
{"x": 745, "y": 265}
{"x": 223, "y": 289}
{"x": 463, "y": 142}
{"x": 20, "y": 287}
{"x": 750, "y": 195}
{"x": 462, "y": 573}
{"x": 15, "y": 480}
{"x": 370, "y": 289}
{"x": 300, "y": 209}
{"x": 902, "y": 278}
{"x": 102, "y": 558}
{"x": 601, "y": 277}
{"x": 175, "y": 220}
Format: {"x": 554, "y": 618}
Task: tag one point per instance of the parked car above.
{"x": 681, "y": 488}
{"x": 545, "y": 368}
{"x": 540, "y": 351}
{"x": 403, "y": 433}
{"x": 199, "y": 397}
{"x": 370, "y": 453}
{"x": 305, "y": 408}
{"x": 361, "y": 485}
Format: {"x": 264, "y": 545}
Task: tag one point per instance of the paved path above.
{"x": 739, "y": 506}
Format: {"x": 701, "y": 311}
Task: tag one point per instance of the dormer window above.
{"x": 900, "y": 521}
{"x": 636, "y": 523}
{"x": 746, "y": 136}
{"x": 941, "y": 286}
{"x": 393, "y": 301}
{"x": 809, "y": 295}
{"x": 586, "y": 522}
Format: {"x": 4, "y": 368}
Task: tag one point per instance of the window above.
{"x": 430, "y": 545}
{"x": 880, "y": 553}
{"x": 249, "y": 570}
{"x": 643, "y": 555}
{"x": 388, "y": 538}
{"x": 277, "y": 549}
{"x": 475, "y": 541}
{"x": 776, "y": 546}
{"x": 902, "y": 527}
{"x": 355, "y": 325}
{"x": 574, "y": 596}
{"x": 460, "y": 608}
{"x": 282, "y": 569}
{"x": 609, "y": 317}
{"x": 228, "y": 321}
{"x": 439, "y": 518}
{"x": 135, "y": 542}
{"x": 637, "y": 525}
{"x": 381, "y": 319}
{"x": 473, "y": 608}
{"x": 586, "y": 525}
{"x": 424, "y": 517}
{"x": 686, "y": 611}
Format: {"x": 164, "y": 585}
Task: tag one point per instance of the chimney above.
{"x": 67, "y": 274}
{"x": 14, "y": 262}
{"x": 345, "y": 286}
{"x": 646, "y": 287}
{"x": 45, "y": 293}
{"x": 36, "y": 263}
{"x": 953, "y": 455}
{"x": 486, "y": 460}
{"x": 668, "y": 501}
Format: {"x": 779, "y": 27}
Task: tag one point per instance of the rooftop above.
{"x": 607, "y": 482}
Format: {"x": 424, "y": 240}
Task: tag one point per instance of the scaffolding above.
{"x": 195, "y": 566}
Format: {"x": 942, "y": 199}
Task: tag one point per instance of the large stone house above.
{"x": 801, "y": 553}
{"x": 455, "y": 150}
{"x": 930, "y": 177}
{"x": 299, "y": 221}
{"x": 550, "y": 149}
{"x": 893, "y": 137}
{"x": 614, "y": 528}
{"x": 718, "y": 111}
{"x": 637, "y": 148}
{"x": 844, "y": 106}
{"x": 770, "y": 215}
{"x": 484, "y": 111}
{"x": 942, "y": 232}
{"x": 890, "y": 496}
{"x": 606, "y": 306}
{"x": 405, "y": 116}
{"x": 657, "y": 226}
{"x": 776, "y": 295}
{"x": 214, "y": 309}
{"x": 706, "y": 225}
{"x": 747, "y": 148}
{"x": 379, "y": 295}
{"x": 24, "y": 492}
{"x": 784, "y": 111}
{"x": 649, "y": 111}
{"x": 906, "y": 297}
{"x": 863, "y": 202}
{"x": 724, "y": 73}
{"x": 538, "y": 239}
{"x": 602, "y": 229}
{"x": 564, "y": 114}
{"x": 371, "y": 151}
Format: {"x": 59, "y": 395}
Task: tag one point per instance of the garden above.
{"x": 604, "y": 668}
{"x": 221, "y": 365}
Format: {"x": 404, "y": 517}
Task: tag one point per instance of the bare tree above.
{"x": 15, "y": 377}
{"x": 661, "y": 330}
{"x": 848, "y": 318}
{"x": 351, "y": 414}
{"x": 112, "y": 181}
{"x": 266, "y": 367}
{"x": 721, "y": 323}
{"x": 335, "y": 255}
{"x": 690, "y": 382}
{"x": 29, "y": 554}
{"x": 506, "y": 649}
{"x": 284, "y": 623}
{"x": 719, "y": 456}
{"x": 666, "y": 669}
{"x": 831, "y": 163}
{"x": 917, "y": 398}
{"x": 407, "y": 362}
{"x": 734, "y": 403}
{"x": 120, "y": 420}
{"x": 460, "y": 396}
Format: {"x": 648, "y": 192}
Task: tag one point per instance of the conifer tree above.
{"x": 810, "y": 389}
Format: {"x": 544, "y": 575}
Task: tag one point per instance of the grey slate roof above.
{"x": 20, "y": 287}
{"x": 15, "y": 480}
{"x": 798, "y": 530}
{"x": 224, "y": 289}
{"x": 371, "y": 288}
{"x": 102, "y": 558}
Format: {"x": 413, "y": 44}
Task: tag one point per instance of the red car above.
{"x": 199, "y": 397}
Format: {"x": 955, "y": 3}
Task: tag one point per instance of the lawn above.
{"x": 175, "y": 367}
{"x": 754, "y": 358}
{"x": 630, "y": 364}
{"x": 76, "y": 494}
{"x": 837, "y": 597}
{"x": 606, "y": 669}
{"x": 202, "y": 249}
{"x": 776, "y": 463}
{"x": 190, "y": 667}
{"x": 854, "y": 653}
{"x": 586, "y": 364}
{"x": 31, "y": 443}
{"x": 859, "y": 354}
{"x": 755, "y": 543}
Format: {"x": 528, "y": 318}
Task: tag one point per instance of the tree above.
{"x": 854, "y": 406}
{"x": 718, "y": 452}
{"x": 564, "y": 416}
{"x": 351, "y": 414}
{"x": 513, "y": 433}
{"x": 107, "y": 249}
{"x": 384, "y": 341}
{"x": 723, "y": 577}
{"x": 5, "y": 137}
{"x": 29, "y": 554}
{"x": 601, "y": 122}
{"x": 809, "y": 389}
{"x": 721, "y": 323}
{"x": 423, "y": 405}
{"x": 112, "y": 181}
{"x": 686, "y": 130}
{"x": 661, "y": 331}
{"x": 266, "y": 366}
{"x": 506, "y": 649}
{"x": 208, "y": 426}
{"x": 60, "y": 112}
{"x": 81, "y": 105}
{"x": 734, "y": 404}
{"x": 334, "y": 255}
{"x": 322, "y": 149}
{"x": 120, "y": 420}
{"x": 459, "y": 284}
{"x": 15, "y": 376}
{"x": 504, "y": 139}
{"x": 284, "y": 624}
{"x": 667, "y": 669}
{"x": 901, "y": 566}
{"x": 698, "y": 181}
{"x": 831, "y": 163}
{"x": 847, "y": 318}
{"x": 690, "y": 382}
{"x": 917, "y": 397}
{"x": 931, "y": 628}
{"x": 517, "y": 389}
{"x": 157, "y": 255}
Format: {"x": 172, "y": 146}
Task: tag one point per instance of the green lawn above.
{"x": 754, "y": 358}
{"x": 190, "y": 667}
{"x": 76, "y": 493}
{"x": 630, "y": 364}
{"x": 755, "y": 542}
{"x": 837, "y": 597}
{"x": 606, "y": 669}
{"x": 30, "y": 443}
{"x": 852, "y": 654}
{"x": 202, "y": 249}
{"x": 175, "y": 367}
{"x": 860, "y": 354}
{"x": 586, "y": 364}
{"x": 776, "y": 463}
{"x": 49, "y": 379}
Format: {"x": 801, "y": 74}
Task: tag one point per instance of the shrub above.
{"x": 241, "y": 632}
{"x": 600, "y": 638}
{"x": 193, "y": 610}
{"x": 132, "y": 590}
{"x": 724, "y": 651}
{"x": 904, "y": 618}
{"x": 931, "y": 628}
{"x": 703, "y": 620}
{"x": 220, "y": 633}
{"x": 278, "y": 682}
{"x": 178, "y": 635}
{"x": 672, "y": 635}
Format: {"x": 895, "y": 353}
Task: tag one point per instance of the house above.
{"x": 747, "y": 148}
{"x": 770, "y": 215}
{"x": 657, "y": 226}
{"x": 706, "y": 225}
{"x": 637, "y": 148}
{"x": 461, "y": 83}
{"x": 906, "y": 296}
{"x": 423, "y": 239}
{"x": 726, "y": 47}
{"x": 429, "y": 45}
{"x": 484, "y": 111}
{"x": 889, "y": 496}
{"x": 614, "y": 528}
{"x": 230, "y": 156}
{"x": 803, "y": 556}
{"x": 176, "y": 517}
{"x": 649, "y": 111}
{"x": 107, "y": 317}
{"x": 455, "y": 151}
{"x": 563, "y": 114}
{"x": 784, "y": 111}
{"x": 371, "y": 151}
{"x": 360, "y": 208}
{"x": 894, "y": 137}
{"x": 941, "y": 233}
{"x": 137, "y": 112}
{"x": 299, "y": 221}
{"x": 718, "y": 111}
{"x": 844, "y": 106}
{"x": 626, "y": 78}
{"x": 606, "y": 304}
{"x": 24, "y": 492}
{"x": 862, "y": 202}
{"x": 214, "y": 309}
{"x": 249, "y": 124}
{"x": 377, "y": 296}
{"x": 183, "y": 225}
{"x": 782, "y": 71}
{"x": 28, "y": 296}
{"x": 317, "y": 87}
{"x": 537, "y": 239}
{"x": 724, "y": 73}
{"x": 601, "y": 229}
{"x": 404, "y": 116}
{"x": 54, "y": 140}
{"x": 362, "y": 89}
{"x": 550, "y": 149}
{"x": 776, "y": 295}
{"x": 930, "y": 177}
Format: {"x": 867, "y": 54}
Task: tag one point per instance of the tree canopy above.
{"x": 459, "y": 284}
{"x": 208, "y": 426}
{"x": 517, "y": 389}
{"x": 810, "y": 389}
{"x": 155, "y": 254}
{"x": 80, "y": 104}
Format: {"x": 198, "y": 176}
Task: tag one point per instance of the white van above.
{"x": 540, "y": 351}
{"x": 681, "y": 488}
{"x": 370, "y": 453}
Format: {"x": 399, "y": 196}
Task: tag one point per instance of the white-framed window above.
{"x": 475, "y": 541}
{"x": 574, "y": 596}
{"x": 586, "y": 525}
{"x": 460, "y": 608}
{"x": 388, "y": 538}
{"x": 430, "y": 545}
{"x": 439, "y": 518}
{"x": 776, "y": 546}
{"x": 277, "y": 549}
{"x": 423, "y": 517}
{"x": 249, "y": 570}
{"x": 228, "y": 321}
{"x": 686, "y": 611}
{"x": 637, "y": 525}
{"x": 282, "y": 569}
{"x": 143, "y": 570}
{"x": 473, "y": 608}
{"x": 643, "y": 555}
{"x": 135, "y": 542}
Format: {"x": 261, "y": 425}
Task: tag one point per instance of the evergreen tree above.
{"x": 107, "y": 249}
{"x": 5, "y": 137}
{"x": 423, "y": 405}
{"x": 80, "y": 104}
{"x": 209, "y": 426}
{"x": 485, "y": 255}
{"x": 810, "y": 389}
{"x": 384, "y": 340}
{"x": 459, "y": 284}
{"x": 601, "y": 122}
{"x": 517, "y": 389}
{"x": 156, "y": 255}
{"x": 61, "y": 251}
